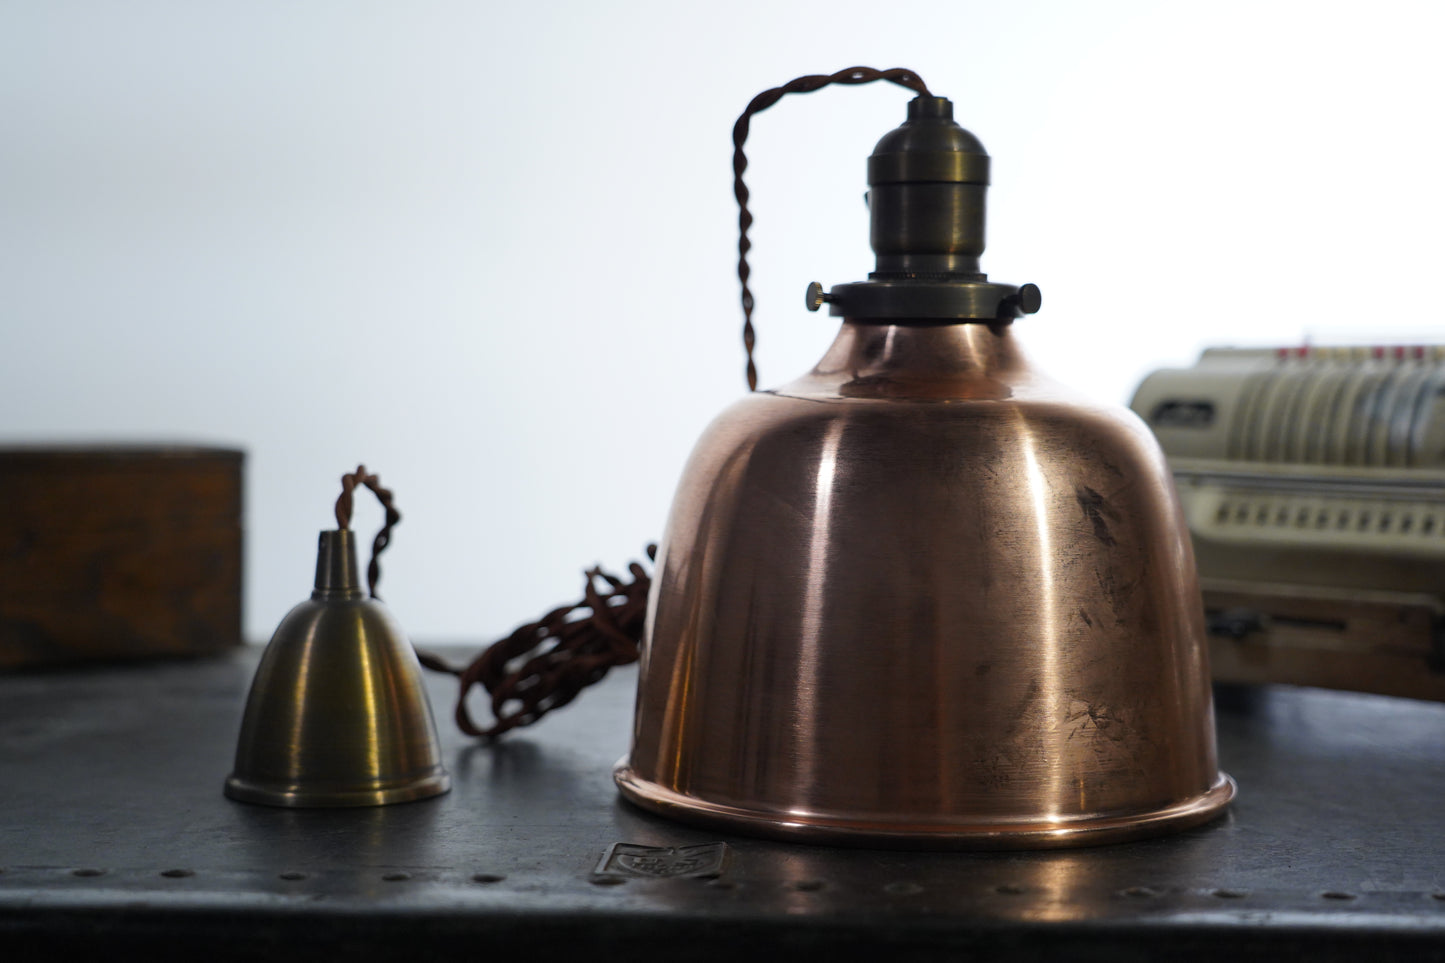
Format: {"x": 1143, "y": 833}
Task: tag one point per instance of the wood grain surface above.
{"x": 110, "y": 553}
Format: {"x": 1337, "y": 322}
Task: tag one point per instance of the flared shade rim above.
{"x": 930, "y": 831}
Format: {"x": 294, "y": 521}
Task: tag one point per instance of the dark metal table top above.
{"x": 115, "y": 830}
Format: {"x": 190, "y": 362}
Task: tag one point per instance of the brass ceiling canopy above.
{"x": 337, "y": 715}
{"x": 923, "y": 596}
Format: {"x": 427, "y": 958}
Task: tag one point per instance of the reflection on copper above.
{"x": 813, "y": 625}
{"x": 923, "y": 596}
{"x": 1037, "y": 486}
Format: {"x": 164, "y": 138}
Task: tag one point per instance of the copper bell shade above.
{"x": 337, "y": 714}
{"x": 923, "y": 596}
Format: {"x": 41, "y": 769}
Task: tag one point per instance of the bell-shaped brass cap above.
{"x": 337, "y": 714}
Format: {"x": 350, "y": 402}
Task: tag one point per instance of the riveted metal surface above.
{"x": 115, "y": 833}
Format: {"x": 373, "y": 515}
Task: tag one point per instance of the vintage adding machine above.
{"x": 1313, "y": 483}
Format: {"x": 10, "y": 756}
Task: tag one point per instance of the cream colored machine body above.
{"x": 1313, "y": 484}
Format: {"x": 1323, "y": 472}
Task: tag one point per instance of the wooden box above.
{"x": 118, "y": 553}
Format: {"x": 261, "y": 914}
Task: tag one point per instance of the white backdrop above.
{"x": 489, "y": 248}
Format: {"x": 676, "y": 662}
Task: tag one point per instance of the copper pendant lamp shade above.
{"x": 923, "y": 596}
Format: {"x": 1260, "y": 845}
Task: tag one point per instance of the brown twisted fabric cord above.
{"x": 543, "y": 665}
{"x": 764, "y": 100}
{"x": 383, "y": 537}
